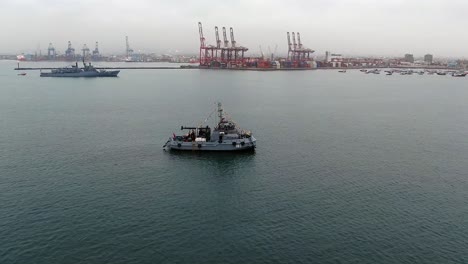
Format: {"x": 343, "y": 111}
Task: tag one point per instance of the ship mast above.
{"x": 220, "y": 113}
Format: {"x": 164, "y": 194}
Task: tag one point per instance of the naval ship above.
{"x": 225, "y": 136}
{"x": 74, "y": 71}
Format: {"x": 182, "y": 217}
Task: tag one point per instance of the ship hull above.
{"x": 81, "y": 74}
{"x": 228, "y": 145}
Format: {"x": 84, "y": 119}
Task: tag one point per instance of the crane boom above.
{"x": 233, "y": 41}
{"x": 218, "y": 41}
{"x": 299, "y": 40}
{"x": 202, "y": 39}
{"x": 226, "y": 41}
{"x": 289, "y": 42}
{"x": 294, "y": 41}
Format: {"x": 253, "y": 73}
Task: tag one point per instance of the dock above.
{"x": 189, "y": 67}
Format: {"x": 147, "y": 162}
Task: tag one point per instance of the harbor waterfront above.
{"x": 349, "y": 168}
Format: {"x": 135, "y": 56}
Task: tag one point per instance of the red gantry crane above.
{"x": 206, "y": 51}
{"x": 227, "y": 55}
{"x": 298, "y": 55}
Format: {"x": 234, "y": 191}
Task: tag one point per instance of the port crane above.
{"x": 128, "y": 51}
{"x": 85, "y": 51}
{"x": 51, "y": 54}
{"x": 290, "y": 50}
{"x": 297, "y": 53}
{"x": 96, "y": 50}
{"x": 230, "y": 53}
{"x": 70, "y": 52}
{"x": 294, "y": 45}
{"x": 227, "y": 54}
{"x": 218, "y": 41}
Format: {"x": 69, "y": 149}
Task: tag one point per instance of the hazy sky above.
{"x": 367, "y": 27}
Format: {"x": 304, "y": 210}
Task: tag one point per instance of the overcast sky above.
{"x": 359, "y": 27}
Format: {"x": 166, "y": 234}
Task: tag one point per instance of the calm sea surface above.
{"x": 349, "y": 168}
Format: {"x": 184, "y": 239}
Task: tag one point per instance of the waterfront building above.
{"x": 409, "y": 58}
{"x": 428, "y": 58}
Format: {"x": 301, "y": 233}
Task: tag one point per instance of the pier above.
{"x": 112, "y": 68}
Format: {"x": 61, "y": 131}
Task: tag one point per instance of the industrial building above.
{"x": 428, "y": 58}
{"x": 333, "y": 60}
{"x": 409, "y": 58}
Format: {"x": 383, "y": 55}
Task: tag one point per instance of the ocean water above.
{"x": 349, "y": 168}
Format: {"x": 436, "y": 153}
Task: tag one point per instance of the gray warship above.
{"x": 74, "y": 71}
{"x": 225, "y": 136}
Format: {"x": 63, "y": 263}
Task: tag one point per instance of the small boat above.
{"x": 343, "y": 71}
{"x": 389, "y": 73}
{"x": 442, "y": 73}
{"x": 22, "y": 74}
{"x": 376, "y": 71}
{"x": 459, "y": 74}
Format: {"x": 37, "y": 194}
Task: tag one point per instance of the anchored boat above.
{"x": 225, "y": 136}
{"x": 74, "y": 71}
{"x": 459, "y": 74}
